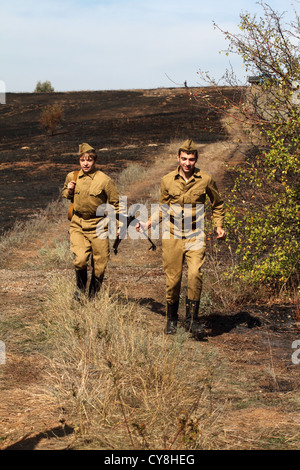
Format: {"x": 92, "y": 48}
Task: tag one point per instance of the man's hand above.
{"x": 221, "y": 233}
{"x": 71, "y": 186}
{"x": 142, "y": 226}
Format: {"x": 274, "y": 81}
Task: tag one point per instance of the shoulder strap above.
{"x": 76, "y": 173}
{"x": 71, "y": 206}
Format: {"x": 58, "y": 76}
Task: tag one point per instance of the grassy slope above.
{"x": 103, "y": 375}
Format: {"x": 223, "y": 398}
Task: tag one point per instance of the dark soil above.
{"x": 33, "y": 163}
{"x": 126, "y": 127}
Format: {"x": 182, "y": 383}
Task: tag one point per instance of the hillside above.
{"x": 122, "y": 124}
{"x": 237, "y": 390}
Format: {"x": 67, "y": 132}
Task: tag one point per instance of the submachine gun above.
{"x": 128, "y": 218}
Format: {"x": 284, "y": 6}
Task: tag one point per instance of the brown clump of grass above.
{"x": 124, "y": 385}
{"x": 51, "y": 117}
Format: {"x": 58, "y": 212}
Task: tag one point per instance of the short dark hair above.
{"x": 194, "y": 152}
{"x": 92, "y": 153}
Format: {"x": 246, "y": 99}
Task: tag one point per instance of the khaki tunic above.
{"x": 88, "y": 231}
{"x": 177, "y": 242}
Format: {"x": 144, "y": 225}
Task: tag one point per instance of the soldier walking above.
{"x": 185, "y": 187}
{"x": 88, "y": 191}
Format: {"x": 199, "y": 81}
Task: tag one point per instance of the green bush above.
{"x": 43, "y": 87}
{"x": 264, "y": 208}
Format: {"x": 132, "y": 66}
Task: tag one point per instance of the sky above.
{"x": 118, "y": 44}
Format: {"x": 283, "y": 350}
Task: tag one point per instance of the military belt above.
{"x": 86, "y": 216}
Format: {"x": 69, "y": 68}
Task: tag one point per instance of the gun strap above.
{"x": 71, "y": 207}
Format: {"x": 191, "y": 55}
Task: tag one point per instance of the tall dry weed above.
{"x": 119, "y": 379}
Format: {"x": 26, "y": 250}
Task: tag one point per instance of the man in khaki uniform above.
{"x": 183, "y": 192}
{"x": 91, "y": 189}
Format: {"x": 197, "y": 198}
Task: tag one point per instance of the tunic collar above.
{"x": 91, "y": 174}
{"x": 196, "y": 174}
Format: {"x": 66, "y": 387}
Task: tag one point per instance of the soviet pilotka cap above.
{"x": 83, "y": 148}
{"x": 188, "y": 146}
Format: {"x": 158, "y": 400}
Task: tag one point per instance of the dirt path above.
{"x": 30, "y": 421}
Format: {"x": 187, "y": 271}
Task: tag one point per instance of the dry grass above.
{"x": 125, "y": 384}
{"x": 142, "y": 184}
{"x": 120, "y": 380}
{"x": 39, "y": 227}
{"x": 56, "y": 254}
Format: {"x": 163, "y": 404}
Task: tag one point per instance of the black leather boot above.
{"x": 81, "y": 280}
{"x": 95, "y": 285}
{"x": 172, "y": 318}
{"x": 192, "y": 322}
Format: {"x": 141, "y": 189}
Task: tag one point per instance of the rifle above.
{"x": 129, "y": 219}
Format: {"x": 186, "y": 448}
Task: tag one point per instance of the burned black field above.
{"x": 124, "y": 126}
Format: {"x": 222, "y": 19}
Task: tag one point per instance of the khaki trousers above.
{"x": 174, "y": 253}
{"x": 84, "y": 242}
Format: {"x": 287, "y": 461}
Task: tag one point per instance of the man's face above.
{"x": 87, "y": 162}
{"x": 187, "y": 161}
